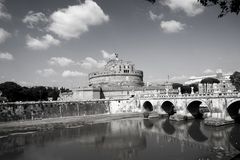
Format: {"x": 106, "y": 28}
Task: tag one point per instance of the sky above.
{"x": 57, "y": 43}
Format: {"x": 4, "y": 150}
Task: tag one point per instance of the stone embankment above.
{"x": 14, "y": 111}
{"x": 7, "y": 128}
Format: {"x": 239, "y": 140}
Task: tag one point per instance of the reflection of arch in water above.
{"x": 168, "y": 107}
{"x": 195, "y": 132}
{"x": 148, "y": 106}
{"x": 234, "y": 110}
{"x": 194, "y": 108}
{"x": 147, "y": 123}
{"x": 234, "y": 137}
{"x": 168, "y": 127}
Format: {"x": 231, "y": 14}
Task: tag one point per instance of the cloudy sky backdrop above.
{"x": 58, "y": 43}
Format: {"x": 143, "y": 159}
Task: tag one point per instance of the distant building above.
{"x": 224, "y": 86}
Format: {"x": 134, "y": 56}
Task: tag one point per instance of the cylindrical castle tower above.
{"x": 117, "y": 73}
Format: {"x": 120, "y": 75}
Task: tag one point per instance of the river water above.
{"x": 137, "y": 139}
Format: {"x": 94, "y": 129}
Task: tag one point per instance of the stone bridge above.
{"x": 223, "y": 106}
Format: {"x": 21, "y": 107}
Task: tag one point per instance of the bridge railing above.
{"x": 196, "y": 95}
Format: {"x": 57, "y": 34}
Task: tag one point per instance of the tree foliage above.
{"x": 235, "y": 80}
{"x": 226, "y": 6}
{"x": 185, "y": 88}
{"x": 152, "y": 1}
{"x": 177, "y": 85}
{"x": 15, "y": 92}
{"x": 12, "y": 91}
{"x": 209, "y": 80}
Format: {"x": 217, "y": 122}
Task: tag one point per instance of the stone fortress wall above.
{"x": 117, "y": 73}
{"x": 131, "y": 79}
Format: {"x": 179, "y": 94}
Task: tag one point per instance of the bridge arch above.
{"x": 194, "y": 108}
{"x": 233, "y": 110}
{"x": 148, "y": 106}
{"x": 168, "y": 107}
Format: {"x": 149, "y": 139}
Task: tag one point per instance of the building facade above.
{"x": 224, "y": 85}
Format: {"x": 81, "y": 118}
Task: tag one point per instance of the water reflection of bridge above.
{"x": 195, "y": 134}
{"x": 124, "y": 139}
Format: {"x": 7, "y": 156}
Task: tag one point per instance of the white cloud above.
{"x": 68, "y": 73}
{"x": 71, "y": 22}
{"x": 208, "y": 71}
{"x": 90, "y": 62}
{"x": 61, "y": 61}
{"x": 6, "y": 56}
{"x": 41, "y": 44}
{"x": 46, "y": 72}
{"x": 190, "y": 7}
{"x": 155, "y": 17}
{"x": 107, "y": 55}
{"x": 4, "y": 35}
{"x": 32, "y": 19}
{"x": 3, "y": 12}
{"x": 172, "y": 26}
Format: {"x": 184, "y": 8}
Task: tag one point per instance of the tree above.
{"x": 235, "y": 80}
{"x": 195, "y": 87}
{"x": 152, "y": 1}
{"x": 53, "y": 93}
{"x": 226, "y": 6}
{"x": 177, "y": 85}
{"x": 209, "y": 80}
{"x": 188, "y": 88}
{"x": 15, "y": 92}
{"x": 12, "y": 91}
{"x": 64, "y": 90}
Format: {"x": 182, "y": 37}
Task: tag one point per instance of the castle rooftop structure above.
{"x": 117, "y": 73}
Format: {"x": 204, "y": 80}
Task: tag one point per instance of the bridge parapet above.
{"x": 213, "y": 95}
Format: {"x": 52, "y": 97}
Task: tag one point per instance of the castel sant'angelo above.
{"x": 117, "y": 73}
{"x": 118, "y": 79}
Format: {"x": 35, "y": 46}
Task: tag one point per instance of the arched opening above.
{"x": 194, "y": 109}
{"x": 148, "y": 106}
{"x": 168, "y": 107}
{"x": 234, "y": 111}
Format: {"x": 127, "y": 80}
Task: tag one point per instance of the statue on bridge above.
{"x": 179, "y": 91}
